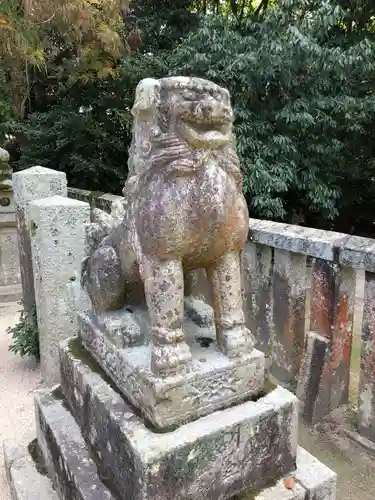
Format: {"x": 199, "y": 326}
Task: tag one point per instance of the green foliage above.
{"x": 6, "y": 119}
{"x": 25, "y": 336}
{"x": 301, "y": 75}
{"x": 295, "y": 99}
{"x": 87, "y": 132}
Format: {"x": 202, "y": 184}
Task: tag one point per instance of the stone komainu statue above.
{"x": 183, "y": 210}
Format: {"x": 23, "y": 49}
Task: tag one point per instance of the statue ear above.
{"x": 147, "y": 98}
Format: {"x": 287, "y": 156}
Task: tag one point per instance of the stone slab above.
{"x": 10, "y": 293}
{"x": 212, "y": 381}
{"x": 359, "y": 253}
{"x": 246, "y": 446}
{"x": 24, "y": 479}
{"x": 304, "y": 240}
{"x": 256, "y": 274}
{"x": 366, "y": 400}
{"x": 311, "y": 389}
{"x": 279, "y": 492}
{"x": 289, "y": 302}
{"x": 67, "y": 457}
{"x": 318, "y": 480}
{"x": 10, "y": 273}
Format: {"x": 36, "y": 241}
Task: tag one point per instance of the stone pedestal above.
{"x": 92, "y": 445}
{"x": 212, "y": 381}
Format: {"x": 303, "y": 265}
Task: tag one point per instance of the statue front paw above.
{"x": 169, "y": 359}
{"x": 236, "y": 341}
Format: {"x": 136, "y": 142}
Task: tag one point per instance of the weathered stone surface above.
{"x": 289, "y": 301}
{"x": 318, "y": 480}
{"x": 313, "y": 388}
{"x": 249, "y": 445}
{"x": 199, "y": 312}
{"x": 29, "y": 185}
{"x": 257, "y": 291}
{"x": 58, "y": 239}
{"x": 24, "y": 479}
{"x": 11, "y": 293}
{"x": 304, "y": 240}
{"x": 213, "y": 381}
{"x": 9, "y": 261}
{"x": 280, "y": 492}
{"x": 359, "y": 253}
{"x": 366, "y": 398}
{"x": 96, "y": 199}
{"x": 66, "y": 455}
{"x": 183, "y": 168}
{"x": 332, "y": 311}
{"x": 5, "y": 172}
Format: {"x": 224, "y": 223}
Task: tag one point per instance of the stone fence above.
{"x": 299, "y": 286}
{"x": 299, "y": 289}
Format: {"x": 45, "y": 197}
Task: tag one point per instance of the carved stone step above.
{"x": 75, "y": 474}
{"x": 247, "y": 446}
{"x": 68, "y": 459}
{"x": 26, "y": 474}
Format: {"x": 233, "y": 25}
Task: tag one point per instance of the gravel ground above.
{"x": 18, "y": 380}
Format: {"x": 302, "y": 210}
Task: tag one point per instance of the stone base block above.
{"x": 212, "y": 381}
{"x": 68, "y": 459}
{"x": 313, "y": 481}
{"x": 318, "y": 480}
{"x": 26, "y": 478}
{"x": 250, "y": 445}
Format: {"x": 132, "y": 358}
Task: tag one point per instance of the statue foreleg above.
{"x": 164, "y": 287}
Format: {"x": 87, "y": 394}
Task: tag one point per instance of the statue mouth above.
{"x": 207, "y": 130}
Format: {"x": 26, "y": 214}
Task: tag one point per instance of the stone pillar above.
{"x": 325, "y": 374}
{"x": 289, "y": 306}
{"x": 366, "y": 399}
{"x": 57, "y": 228}
{"x": 29, "y": 185}
{"x": 257, "y": 292}
{"x": 10, "y": 278}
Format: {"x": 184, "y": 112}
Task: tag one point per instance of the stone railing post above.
{"x": 366, "y": 400}
{"x": 257, "y": 292}
{"x": 325, "y": 375}
{"x": 57, "y": 229}
{"x": 360, "y": 253}
{"x": 289, "y": 310}
{"x": 9, "y": 262}
{"x": 29, "y": 185}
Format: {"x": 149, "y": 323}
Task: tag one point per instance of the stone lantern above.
{"x": 10, "y": 288}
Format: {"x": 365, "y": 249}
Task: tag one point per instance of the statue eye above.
{"x": 190, "y": 96}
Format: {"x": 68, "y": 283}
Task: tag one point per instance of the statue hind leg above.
{"x": 103, "y": 279}
{"x": 225, "y": 278}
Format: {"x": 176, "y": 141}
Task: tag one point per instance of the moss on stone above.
{"x": 77, "y": 350}
{"x": 37, "y": 456}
